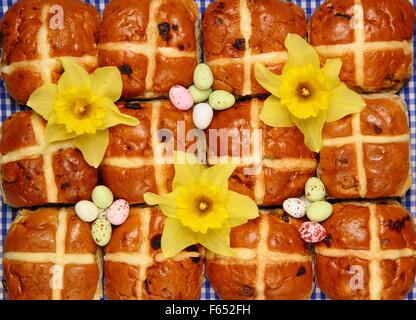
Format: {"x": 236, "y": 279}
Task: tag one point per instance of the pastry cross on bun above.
{"x": 139, "y": 159}
{"x": 136, "y": 269}
{"x": 238, "y": 33}
{"x": 367, "y": 155}
{"x": 152, "y": 42}
{"x": 49, "y": 254}
{"x": 372, "y": 37}
{"x": 369, "y": 252}
{"x": 273, "y": 163}
{"x": 271, "y": 261}
{"x": 36, "y": 33}
{"x": 33, "y": 174}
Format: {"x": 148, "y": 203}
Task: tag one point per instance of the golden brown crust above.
{"x": 384, "y": 168}
{"x": 146, "y": 71}
{"x": 27, "y": 281}
{"x": 381, "y": 60}
{"x": 255, "y": 273}
{"x": 38, "y": 242}
{"x": 32, "y": 231}
{"x": 128, "y": 278}
{"x": 22, "y": 42}
{"x": 28, "y": 179}
{"x": 380, "y": 238}
{"x": 287, "y": 162}
{"x": 23, "y": 183}
{"x": 130, "y": 167}
{"x": 17, "y": 132}
{"x": 74, "y": 178}
{"x": 224, "y": 37}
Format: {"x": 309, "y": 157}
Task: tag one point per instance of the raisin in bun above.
{"x": 152, "y": 42}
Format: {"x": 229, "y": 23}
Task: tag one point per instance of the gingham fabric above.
{"x": 9, "y": 107}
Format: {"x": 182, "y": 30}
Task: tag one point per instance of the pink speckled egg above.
{"x": 118, "y": 212}
{"x": 181, "y": 98}
{"x": 312, "y": 232}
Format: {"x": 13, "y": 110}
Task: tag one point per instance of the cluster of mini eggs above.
{"x": 104, "y": 211}
{"x": 314, "y": 206}
{"x": 201, "y": 94}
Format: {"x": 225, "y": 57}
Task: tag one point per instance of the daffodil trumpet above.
{"x": 306, "y": 95}
{"x": 201, "y": 209}
{"x": 80, "y": 108}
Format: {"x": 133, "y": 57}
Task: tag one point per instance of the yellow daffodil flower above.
{"x": 306, "y": 95}
{"x": 201, "y": 209}
{"x": 80, "y": 108}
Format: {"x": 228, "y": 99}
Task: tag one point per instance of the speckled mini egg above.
{"x": 312, "y": 232}
{"x": 306, "y": 201}
{"x": 319, "y": 211}
{"x": 86, "y": 210}
{"x": 203, "y": 77}
{"x": 102, "y": 197}
{"x": 118, "y": 212}
{"x": 199, "y": 95}
{"x": 181, "y": 98}
{"x": 221, "y": 100}
{"x": 202, "y": 115}
{"x": 101, "y": 231}
{"x": 315, "y": 189}
{"x": 295, "y": 207}
{"x": 102, "y": 213}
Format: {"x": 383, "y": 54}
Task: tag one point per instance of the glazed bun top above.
{"x": 334, "y": 21}
{"x": 270, "y": 22}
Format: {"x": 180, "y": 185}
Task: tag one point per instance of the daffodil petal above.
{"x": 218, "y": 175}
{"x": 300, "y": 53}
{"x": 241, "y": 206}
{"x": 187, "y": 169}
{"x": 274, "y": 114}
{"x": 73, "y": 76}
{"x": 57, "y": 132}
{"x": 42, "y": 99}
{"x": 267, "y": 79}
{"x": 343, "y": 102}
{"x": 167, "y": 203}
{"x": 92, "y": 146}
{"x": 312, "y": 130}
{"x": 107, "y": 82}
{"x": 113, "y": 116}
{"x": 331, "y": 70}
{"x": 217, "y": 241}
{"x": 176, "y": 237}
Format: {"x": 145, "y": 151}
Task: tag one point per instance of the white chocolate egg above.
{"x": 86, "y": 210}
{"x": 202, "y": 115}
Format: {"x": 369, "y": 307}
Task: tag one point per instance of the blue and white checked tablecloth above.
{"x": 9, "y": 107}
